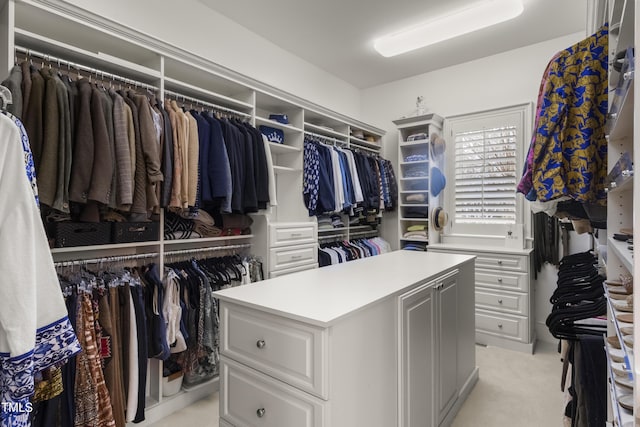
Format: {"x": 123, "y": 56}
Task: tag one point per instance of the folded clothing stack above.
{"x": 416, "y": 198}
{"x": 416, "y": 231}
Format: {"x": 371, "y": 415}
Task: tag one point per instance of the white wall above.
{"x": 496, "y": 81}
{"x": 190, "y": 25}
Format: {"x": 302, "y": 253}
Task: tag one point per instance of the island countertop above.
{"x": 324, "y": 295}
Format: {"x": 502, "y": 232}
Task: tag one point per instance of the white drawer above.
{"x": 279, "y": 273}
{"x": 287, "y": 234}
{"x": 251, "y": 399}
{"x": 502, "y": 262}
{"x": 288, "y": 257}
{"x": 502, "y": 325}
{"x": 502, "y": 280}
{"x": 285, "y": 349}
{"x": 503, "y": 301}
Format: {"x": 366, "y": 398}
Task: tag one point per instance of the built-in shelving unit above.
{"x": 414, "y": 160}
{"x": 284, "y": 235}
{"x": 623, "y": 206}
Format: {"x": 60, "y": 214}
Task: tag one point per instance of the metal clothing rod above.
{"x": 355, "y": 146}
{"x": 179, "y": 96}
{"x": 209, "y": 249}
{"x": 371, "y": 233}
{"x": 50, "y": 58}
{"x": 108, "y": 259}
{"x": 325, "y": 138}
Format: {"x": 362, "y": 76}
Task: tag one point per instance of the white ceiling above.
{"x": 337, "y": 35}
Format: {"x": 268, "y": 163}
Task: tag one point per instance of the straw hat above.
{"x": 439, "y": 218}
{"x": 438, "y": 145}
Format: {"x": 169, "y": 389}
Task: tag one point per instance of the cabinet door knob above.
{"x": 499, "y": 301}
{"x": 261, "y": 344}
{"x": 500, "y": 325}
{"x": 260, "y": 412}
{"x": 499, "y": 262}
{"x": 499, "y": 279}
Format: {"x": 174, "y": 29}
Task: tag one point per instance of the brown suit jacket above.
{"x": 83, "y": 148}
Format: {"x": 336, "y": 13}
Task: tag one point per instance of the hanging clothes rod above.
{"x": 325, "y": 138}
{"x": 50, "y": 58}
{"x": 356, "y": 146}
{"x": 108, "y": 259}
{"x": 209, "y": 249}
{"x": 179, "y": 96}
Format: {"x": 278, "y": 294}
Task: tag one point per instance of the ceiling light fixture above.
{"x": 472, "y": 18}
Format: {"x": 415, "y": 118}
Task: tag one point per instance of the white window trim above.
{"x": 451, "y": 234}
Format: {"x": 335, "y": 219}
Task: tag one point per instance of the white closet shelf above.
{"x": 278, "y": 125}
{"x": 419, "y": 162}
{"x": 415, "y": 219}
{"x": 414, "y": 239}
{"x": 99, "y": 60}
{"x": 324, "y": 131}
{"x": 82, "y": 249}
{"x": 625, "y": 255}
{"x": 207, "y": 240}
{"x": 285, "y": 170}
{"x": 414, "y": 205}
{"x": 283, "y": 148}
{"x": 417, "y": 143}
{"x": 207, "y": 95}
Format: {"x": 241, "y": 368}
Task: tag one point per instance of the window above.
{"x": 485, "y": 167}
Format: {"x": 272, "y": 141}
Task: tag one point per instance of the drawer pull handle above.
{"x": 261, "y": 344}
{"x": 499, "y": 301}
{"x": 296, "y": 257}
{"x": 260, "y": 412}
{"x": 499, "y": 279}
{"x": 500, "y": 262}
{"x": 500, "y": 325}
{"x": 296, "y": 234}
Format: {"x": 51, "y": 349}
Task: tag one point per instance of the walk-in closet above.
{"x": 326, "y": 214}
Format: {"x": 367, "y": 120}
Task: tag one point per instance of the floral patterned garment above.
{"x": 570, "y": 151}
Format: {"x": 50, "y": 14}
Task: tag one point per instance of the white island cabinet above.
{"x": 379, "y": 342}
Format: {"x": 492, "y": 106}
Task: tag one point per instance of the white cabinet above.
{"x": 623, "y": 204}
{"x": 348, "y": 346}
{"x": 415, "y": 162}
{"x": 503, "y": 296}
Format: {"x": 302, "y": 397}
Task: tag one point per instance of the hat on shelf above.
{"x": 280, "y": 118}
{"x": 439, "y": 218}
{"x": 369, "y": 138}
{"x": 438, "y": 181}
{"x": 438, "y": 145}
{"x": 272, "y": 134}
{"x": 357, "y": 133}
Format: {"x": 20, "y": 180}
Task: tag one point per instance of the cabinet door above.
{"x": 447, "y": 346}
{"x": 416, "y": 367}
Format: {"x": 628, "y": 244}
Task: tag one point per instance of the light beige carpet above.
{"x": 514, "y": 389}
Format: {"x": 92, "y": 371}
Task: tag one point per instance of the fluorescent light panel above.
{"x": 475, "y": 17}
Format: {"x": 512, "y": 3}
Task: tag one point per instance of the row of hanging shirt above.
{"x": 134, "y": 315}
{"x": 344, "y": 251}
{"x": 97, "y": 147}
{"x": 339, "y": 179}
{"x": 35, "y": 333}
{"x": 566, "y": 164}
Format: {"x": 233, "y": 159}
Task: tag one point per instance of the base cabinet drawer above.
{"x": 503, "y": 301}
{"x": 251, "y": 399}
{"x": 502, "y": 262}
{"x": 292, "y": 256}
{"x": 292, "y": 352}
{"x": 284, "y": 272}
{"x": 511, "y": 281}
{"x": 502, "y": 325}
{"x": 287, "y": 234}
